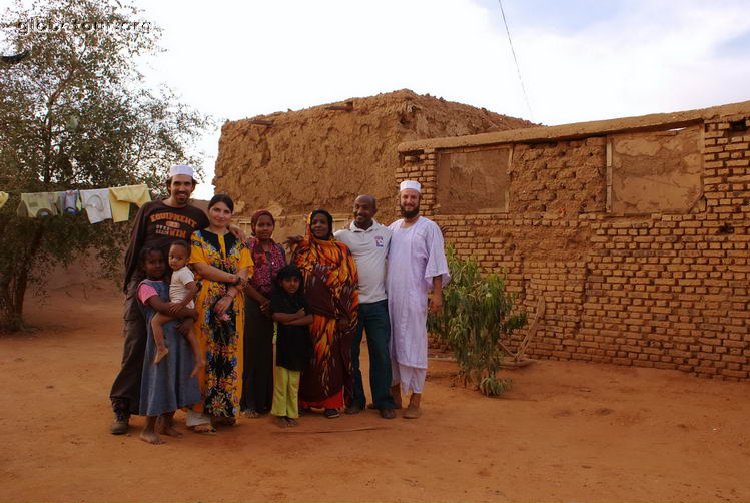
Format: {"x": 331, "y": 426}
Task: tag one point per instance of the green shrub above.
{"x": 477, "y": 314}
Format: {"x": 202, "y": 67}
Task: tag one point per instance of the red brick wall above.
{"x": 660, "y": 290}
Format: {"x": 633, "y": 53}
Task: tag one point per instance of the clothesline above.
{"x": 100, "y": 204}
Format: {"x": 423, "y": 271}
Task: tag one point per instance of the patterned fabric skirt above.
{"x": 330, "y": 369}
{"x": 222, "y": 342}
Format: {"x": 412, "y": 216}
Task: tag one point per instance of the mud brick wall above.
{"x": 665, "y": 289}
{"x": 565, "y": 177}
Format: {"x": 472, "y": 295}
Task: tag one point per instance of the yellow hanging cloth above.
{"x": 121, "y": 197}
{"x": 37, "y": 205}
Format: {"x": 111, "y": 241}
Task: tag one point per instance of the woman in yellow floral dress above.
{"x": 222, "y": 263}
{"x": 330, "y": 288}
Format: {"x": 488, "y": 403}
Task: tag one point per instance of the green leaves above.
{"x": 76, "y": 114}
{"x": 478, "y": 313}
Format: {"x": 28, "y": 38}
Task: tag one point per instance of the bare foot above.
{"x": 160, "y": 353}
{"x": 291, "y": 422}
{"x": 252, "y": 414}
{"x": 164, "y": 427}
{"x": 151, "y": 437}
{"x": 281, "y": 422}
{"x": 197, "y": 368}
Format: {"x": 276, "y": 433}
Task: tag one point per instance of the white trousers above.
{"x": 411, "y": 379}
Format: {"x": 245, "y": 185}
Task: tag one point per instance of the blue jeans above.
{"x": 376, "y": 323}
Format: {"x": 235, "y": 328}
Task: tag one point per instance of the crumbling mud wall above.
{"x": 634, "y": 232}
{"x": 292, "y": 162}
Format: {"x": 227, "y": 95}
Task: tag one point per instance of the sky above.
{"x": 579, "y": 60}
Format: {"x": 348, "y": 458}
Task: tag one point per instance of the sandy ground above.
{"x": 566, "y": 432}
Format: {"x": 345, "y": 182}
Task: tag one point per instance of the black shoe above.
{"x": 120, "y": 424}
{"x": 331, "y": 413}
{"x": 388, "y": 413}
{"x": 353, "y": 409}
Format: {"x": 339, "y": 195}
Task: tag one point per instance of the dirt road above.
{"x": 566, "y": 432}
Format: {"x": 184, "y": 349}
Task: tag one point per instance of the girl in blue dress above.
{"x": 166, "y": 386}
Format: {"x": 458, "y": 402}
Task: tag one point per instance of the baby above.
{"x": 182, "y": 290}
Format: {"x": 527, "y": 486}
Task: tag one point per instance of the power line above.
{"x": 518, "y": 68}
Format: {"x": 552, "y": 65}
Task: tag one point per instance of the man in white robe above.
{"x": 416, "y": 267}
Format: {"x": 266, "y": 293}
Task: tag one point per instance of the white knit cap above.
{"x": 411, "y": 184}
{"x": 181, "y": 169}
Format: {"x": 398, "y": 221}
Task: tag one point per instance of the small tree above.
{"x": 74, "y": 114}
{"x": 477, "y": 315}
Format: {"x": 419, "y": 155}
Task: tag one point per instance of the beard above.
{"x": 409, "y": 214}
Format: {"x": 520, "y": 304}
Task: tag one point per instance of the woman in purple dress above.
{"x": 268, "y": 257}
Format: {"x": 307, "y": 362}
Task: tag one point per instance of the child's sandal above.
{"x": 203, "y": 429}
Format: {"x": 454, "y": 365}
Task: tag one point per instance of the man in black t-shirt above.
{"x": 158, "y": 223}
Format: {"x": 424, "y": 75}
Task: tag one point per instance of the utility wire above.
{"x": 518, "y": 68}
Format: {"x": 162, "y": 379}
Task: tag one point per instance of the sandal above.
{"x": 280, "y": 422}
{"x": 331, "y": 413}
{"x": 412, "y": 412}
{"x": 203, "y": 429}
{"x": 290, "y": 422}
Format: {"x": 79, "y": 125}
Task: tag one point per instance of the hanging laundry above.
{"x": 37, "y": 205}
{"x": 69, "y": 202}
{"x": 96, "y": 202}
{"x": 121, "y": 197}
{"x": 3, "y": 198}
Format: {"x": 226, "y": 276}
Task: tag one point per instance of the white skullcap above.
{"x": 181, "y": 169}
{"x": 411, "y": 184}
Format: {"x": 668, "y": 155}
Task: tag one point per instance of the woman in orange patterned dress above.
{"x": 331, "y": 292}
